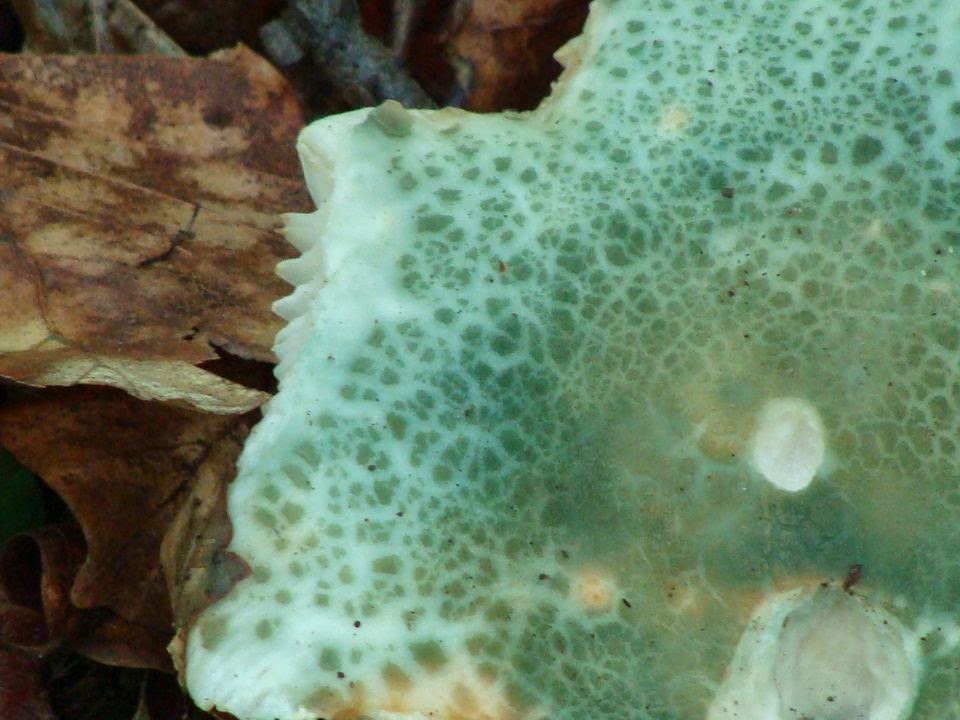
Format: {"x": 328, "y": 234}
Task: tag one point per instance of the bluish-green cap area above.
{"x": 568, "y": 397}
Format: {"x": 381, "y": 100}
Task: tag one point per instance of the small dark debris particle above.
{"x": 356, "y": 623}
{"x": 626, "y": 603}
{"x": 543, "y": 576}
{"x": 830, "y": 698}
{"x": 727, "y": 192}
{"x": 371, "y": 468}
{"x": 854, "y": 573}
{"x": 340, "y": 675}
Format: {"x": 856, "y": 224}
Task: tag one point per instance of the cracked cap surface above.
{"x": 508, "y": 472}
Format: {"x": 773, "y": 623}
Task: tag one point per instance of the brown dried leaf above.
{"x": 137, "y": 210}
{"x": 81, "y": 689}
{"x": 234, "y": 106}
{"x": 108, "y": 639}
{"x": 22, "y": 693}
{"x": 36, "y": 571}
{"x": 124, "y": 468}
{"x": 193, "y": 554}
{"x": 508, "y": 46}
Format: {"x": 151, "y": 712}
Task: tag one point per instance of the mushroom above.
{"x": 820, "y": 653}
{"x": 690, "y": 324}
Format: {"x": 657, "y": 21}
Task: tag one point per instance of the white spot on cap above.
{"x": 820, "y": 653}
{"x": 788, "y": 444}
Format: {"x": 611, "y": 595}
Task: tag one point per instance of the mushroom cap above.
{"x": 820, "y": 653}
{"x": 518, "y": 465}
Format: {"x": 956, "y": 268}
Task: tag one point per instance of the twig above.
{"x": 328, "y": 34}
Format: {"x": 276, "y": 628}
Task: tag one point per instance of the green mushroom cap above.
{"x": 565, "y": 396}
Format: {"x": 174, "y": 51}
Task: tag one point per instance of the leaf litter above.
{"x": 139, "y": 237}
{"x": 138, "y": 218}
{"x": 138, "y": 241}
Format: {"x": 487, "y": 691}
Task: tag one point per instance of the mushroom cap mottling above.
{"x": 512, "y": 468}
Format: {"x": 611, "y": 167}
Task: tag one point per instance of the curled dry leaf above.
{"x": 124, "y": 468}
{"x": 506, "y": 50}
{"x": 137, "y": 214}
{"x": 36, "y": 571}
{"x": 22, "y": 693}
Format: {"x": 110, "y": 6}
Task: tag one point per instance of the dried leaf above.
{"x": 136, "y": 236}
{"x": 36, "y": 572}
{"x": 508, "y": 47}
{"x": 108, "y": 639}
{"x": 124, "y": 468}
{"x": 81, "y": 689}
{"x": 193, "y": 554}
{"x": 234, "y": 106}
{"x": 22, "y": 694}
